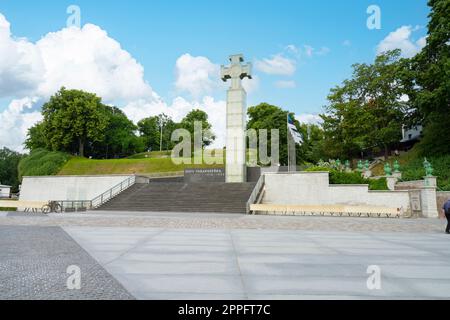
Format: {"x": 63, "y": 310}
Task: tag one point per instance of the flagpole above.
{"x": 288, "y": 146}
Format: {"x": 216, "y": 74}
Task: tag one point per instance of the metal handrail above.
{"x": 99, "y": 200}
{"x": 111, "y": 193}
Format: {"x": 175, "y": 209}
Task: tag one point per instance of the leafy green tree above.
{"x": 120, "y": 139}
{"x": 431, "y": 71}
{"x": 36, "y": 137}
{"x": 9, "y": 161}
{"x": 367, "y": 111}
{"x": 71, "y": 119}
{"x": 267, "y": 116}
{"x": 188, "y": 123}
{"x": 312, "y": 148}
{"x": 150, "y": 130}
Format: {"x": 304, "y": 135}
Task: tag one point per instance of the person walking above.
{"x": 446, "y": 213}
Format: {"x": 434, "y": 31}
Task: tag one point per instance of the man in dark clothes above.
{"x": 446, "y": 212}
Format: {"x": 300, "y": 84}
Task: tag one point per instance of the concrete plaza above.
{"x": 178, "y": 256}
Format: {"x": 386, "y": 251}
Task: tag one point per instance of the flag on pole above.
{"x": 293, "y": 130}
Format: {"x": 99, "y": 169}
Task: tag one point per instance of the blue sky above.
{"x": 157, "y": 33}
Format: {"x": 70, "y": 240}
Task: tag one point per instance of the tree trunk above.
{"x": 386, "y": 152}
{"x": 81, "y": 148}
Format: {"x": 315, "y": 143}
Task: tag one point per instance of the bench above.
{"x": 33, "y": 206}
{"x": 327, "y": 210}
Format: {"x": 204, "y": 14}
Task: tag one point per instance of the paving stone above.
{"x": 34, "y": 262}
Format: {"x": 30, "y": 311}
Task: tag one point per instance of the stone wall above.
{"x": 313, "y": 188}
{"x": 67, "y": 187}
{"x": 409, "y": 185}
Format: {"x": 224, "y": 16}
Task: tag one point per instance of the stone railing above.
{"x": 256, "y": 193}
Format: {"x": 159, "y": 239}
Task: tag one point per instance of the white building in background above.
{"x": 411, "y": 134}
{"x": 5, "y": 191}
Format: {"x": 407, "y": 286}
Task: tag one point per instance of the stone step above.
{"x": 181, "y": 197}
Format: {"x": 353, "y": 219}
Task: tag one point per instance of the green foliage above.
{"x": 414, "y": 170}
{"x": 430, "y": 71}
{"x": 188, "y": 123}
{"x": 9, "y": 161}
{"x": 42, "y": 163}
{"x": 366, "y": 111}
{"x": 378, "y": 184}
{"x": 78, "y": 123}
{"x": 119, "y": 139}
{"x": 312, "y": 148}
{"x": 267, "y": 117}
{"x": 342, "y": 177}
{"x": 36, "y": 138}
{"x": 150, "y": 130}
{"x": 72, "y": 118}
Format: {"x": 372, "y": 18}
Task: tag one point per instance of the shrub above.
{"x": 378, "y": 184}
{"x": 414, "y": 170}
{"x": 42, "y": 163}
{"x": 342, "y": 177}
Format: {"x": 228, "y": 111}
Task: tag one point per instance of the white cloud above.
{"x": 311, "y": 51}
{"x": 309, "y": 118}
{"x": 323, "y": 51}
{"x": 196, "y": 75}
{"x": 277, "y": 65}
{"x": 347, "y": 43}
{"x": 21, "y": 66}
{"x": 88, "y": 59}
{"x": 289, "y": 84}
{"x": 402, "y": 39}
{"x": 76, "y": 58}
{"x": 251, "y": 85}
{"x": 15, "y": 121}
{"x": 85, "y": 58}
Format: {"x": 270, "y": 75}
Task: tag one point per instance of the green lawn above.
{"x": 83, "y": 166}
{"x": 153, "y": 154}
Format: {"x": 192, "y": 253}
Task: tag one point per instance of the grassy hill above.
{"x": 138, "y": 164}
{"x": 411, "y": 166}
{"x": 46, "y": 163}
{"x": 82, "y": 166}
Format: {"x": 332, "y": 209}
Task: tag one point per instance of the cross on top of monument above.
{"x": 236, "y": 71}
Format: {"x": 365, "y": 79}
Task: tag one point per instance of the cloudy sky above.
{"x": 164, "y": 56}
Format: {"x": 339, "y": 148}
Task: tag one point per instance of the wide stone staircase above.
{"x": 181, "y": 197}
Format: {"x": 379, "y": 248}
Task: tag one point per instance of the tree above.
{"x": 312, "y": 148}
{"x": 267, "y": 116}
{"x": 431, "y": 71}
{"x": 71, "y": 119}
{"x": 367, "y": 111}
{"x": 9, "y": 161}
{"x": 150, "y": 130}
{"x": 120, "y": 139}
{"x": 36, "y": 138}
{"x": 188, "y": 123}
